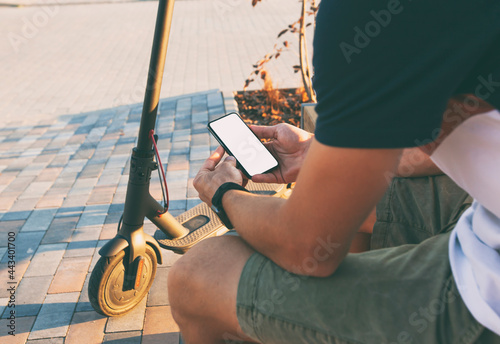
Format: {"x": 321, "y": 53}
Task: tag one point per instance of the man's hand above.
{"x": 214, "y": 173}
{"x": 289, "y": 145}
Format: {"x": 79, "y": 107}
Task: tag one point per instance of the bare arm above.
{"x": 310, "y": 233}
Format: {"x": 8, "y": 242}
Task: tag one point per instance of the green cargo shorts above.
{"x": 400, "y": 292}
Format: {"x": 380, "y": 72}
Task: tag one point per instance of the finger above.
{"x": 230, "y": 160}
{"x": 264, "y": 132}
{"x": 213, "y": 160}
{"x": 264, "y": 178}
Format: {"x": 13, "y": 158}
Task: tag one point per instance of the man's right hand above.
{"x": 289, "y": 145}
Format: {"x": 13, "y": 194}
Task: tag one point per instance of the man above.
{"x": 388, "y": 75}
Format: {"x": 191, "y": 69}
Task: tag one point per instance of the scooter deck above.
{"x": 203, "y": 223}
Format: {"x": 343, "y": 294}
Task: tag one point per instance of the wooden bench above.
{"x": 308, "y": 117}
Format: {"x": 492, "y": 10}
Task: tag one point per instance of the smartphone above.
{"x": 238, "y": 140}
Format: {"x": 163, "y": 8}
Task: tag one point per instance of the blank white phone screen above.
{"x": 243, "y": 144}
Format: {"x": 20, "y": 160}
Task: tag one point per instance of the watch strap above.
{"x": 217, "y": 206}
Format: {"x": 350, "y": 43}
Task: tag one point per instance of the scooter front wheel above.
{"x": 109, "y": 293}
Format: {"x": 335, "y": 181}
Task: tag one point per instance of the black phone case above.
{"x": 238, "y": 165}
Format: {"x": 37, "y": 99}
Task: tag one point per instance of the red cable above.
{"x": 152, "y": 137}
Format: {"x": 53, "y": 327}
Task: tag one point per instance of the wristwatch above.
{"x": 217, "y": 202}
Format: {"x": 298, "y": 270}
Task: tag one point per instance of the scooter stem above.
{"x": 155, "y": 74}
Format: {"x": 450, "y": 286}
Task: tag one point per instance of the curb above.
{"x": 230, "y": 104}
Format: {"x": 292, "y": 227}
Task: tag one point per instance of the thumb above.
{"x": 230, "y": 160}
{"x": 264, "y": 132}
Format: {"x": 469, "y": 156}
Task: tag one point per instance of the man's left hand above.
{"x": 214, "y": 173}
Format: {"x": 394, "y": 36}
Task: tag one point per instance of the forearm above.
{"x": 259, "y": 221}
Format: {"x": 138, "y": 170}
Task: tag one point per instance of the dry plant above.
{"x": 296, "y": 28}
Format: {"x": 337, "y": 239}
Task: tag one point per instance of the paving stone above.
{"x": 23, "y": 327}
{"x": 110, "y": 177}
{"x": 179, "y": 147}
{"x": 3, "y": 304}
{"x": 70, "y": 275}
{"x": 158, "y": 295}
{"x": 48, "y": 174}
{"x": 160, "y": 327}
{"x": 193, "y": 202}
{"x": 129, "y": 322}
{"x": 55, "y": 316}
{"x": 199, "y": 153}
{"x": 59, "y": 340}
{"x": 36, "y": 189}
{"x": 214, "y": 100}
{"x": 177, "y": 178}
{"x": 83, "y": 186}
{"x": 96, "y": 255}
{"x": 39, "y": 220}
{"x": 177, "y": 205}
{"x": 50, "y": 201}
{"x": 93, "y": 215}
{"x": 46, "y": 260}
{"x": 83, "y": 302}
{"x": 7, "y": 177}
{"x": 75, "y": 201}
{"x": 85, "y": 234}
{"x": 182, "y": 124}
{"x": 70, "y": 212}
{"x": 194, "y": 168}
{"x": 60, "y": 230}
{"x": 20, "y": 184}
{"x": 200, "y": 139}
{"x": 132, "y": 337}
{"x": 30, "y": 295}
{"x": 16, "y": 215}
{"x": 47, "y": 157}
{"x": 102, "y": 194}
{"x": 80, "y": 248}
{"x": 200, "y": 117}
{"x": 88, "y": 325}
{"x": 60, "y": 161}
{"x": 9, "y": 226}
{"x": 3, "y": 250}
{"x": 34, "y": 169}
{"x": 177, "y": 162}
{"x": 181, "y": 135}
{"x": 110, "y": 227}
{"x": 191, "y": 191}
{"x": 177, "y": 193}
{"x": 6, "y": 202}
{"x": 26, "y": 245}
{"x": 92, "y": 171}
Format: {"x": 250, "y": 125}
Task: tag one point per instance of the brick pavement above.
{"x": 80, "y": 164}
{"x": 73, "y": 81}
{"x": 60, "y": 60}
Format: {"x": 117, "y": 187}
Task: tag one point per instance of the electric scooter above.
{"x": 126, "y": 269}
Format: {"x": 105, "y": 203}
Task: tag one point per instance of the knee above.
{"x": 178, "y": 285}
{"x": 185, "y": 285}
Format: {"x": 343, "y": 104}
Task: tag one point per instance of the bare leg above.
{"x": 202, "y": 288}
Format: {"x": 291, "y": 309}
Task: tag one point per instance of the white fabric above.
{"x": 470, "y": 155}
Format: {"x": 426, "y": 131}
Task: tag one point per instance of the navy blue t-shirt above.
{"x": 384, "y": 70}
